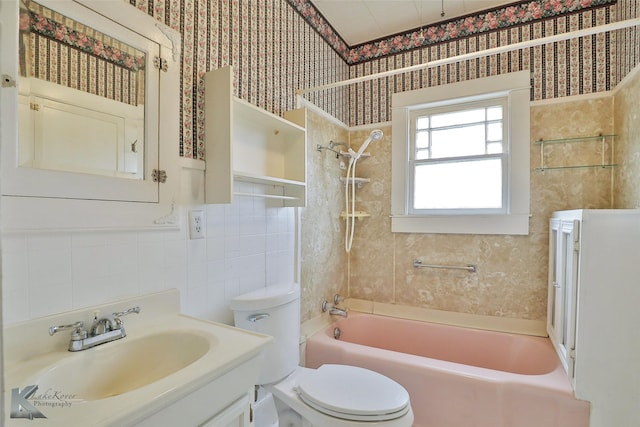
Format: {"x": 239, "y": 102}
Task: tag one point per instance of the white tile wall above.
{"x": 248, "y": 245}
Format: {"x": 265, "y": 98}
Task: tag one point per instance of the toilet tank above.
{"x": 275, "y": 311}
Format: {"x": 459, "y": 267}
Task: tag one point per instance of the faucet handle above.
{"x": 124, "y": 313}
{"x": 78, "y": 330}
{"x": 337, "y": 299}
{"x": 117, "y": 315}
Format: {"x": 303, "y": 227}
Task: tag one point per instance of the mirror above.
{"x": 81, "y": 102}
{"x": 90, "y": 116}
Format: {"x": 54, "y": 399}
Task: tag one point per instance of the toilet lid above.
{"x": 353, "y": 393}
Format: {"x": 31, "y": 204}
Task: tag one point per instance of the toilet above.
{"x": 331, "y": 396}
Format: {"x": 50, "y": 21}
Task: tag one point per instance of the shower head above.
{"x": 375, "y": 135}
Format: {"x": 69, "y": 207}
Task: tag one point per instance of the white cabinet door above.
{"x": 563, "y": 284}
{"x": 238, "y": 414}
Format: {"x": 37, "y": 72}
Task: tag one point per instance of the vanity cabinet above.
{"x": 593, "y": 316}
{"x": 248, "y": 144}
{"x": 238, "y": 414}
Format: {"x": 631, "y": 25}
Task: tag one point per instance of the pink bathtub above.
{"x": 457, "y": 377}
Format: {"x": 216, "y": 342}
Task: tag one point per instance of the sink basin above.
{"x": 163, "y": 372}
{"x": 122, "y": 366}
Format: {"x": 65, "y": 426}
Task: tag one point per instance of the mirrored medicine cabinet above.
{"x": 92, "y": 115}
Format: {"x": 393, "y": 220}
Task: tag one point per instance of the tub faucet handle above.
{"x": 333, "y": 310}
{"x": 337, "y": 299}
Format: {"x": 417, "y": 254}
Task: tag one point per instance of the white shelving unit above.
{"x": 246, "y": 143}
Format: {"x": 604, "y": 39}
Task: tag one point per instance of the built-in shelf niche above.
{"x": 246, "y": 143}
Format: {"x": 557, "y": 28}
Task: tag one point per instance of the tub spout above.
{"x": 333, "y": 310}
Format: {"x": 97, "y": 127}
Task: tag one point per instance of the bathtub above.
{"x": 457, "y": 377}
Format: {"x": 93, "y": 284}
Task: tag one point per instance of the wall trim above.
{"x": 302, "y": 102}
{"x": 630, "y": 76}
{"x": 572, "y": 98}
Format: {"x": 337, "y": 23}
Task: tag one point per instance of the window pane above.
{"x": 422, "y": 139}
{"x": 422, "y": 122}
{"x": 494, "y": 113}
{"x": 457, "y": 118}
{"x": 494, "y": 147}
{"x": 459, "y": 185}
{"x": 494, "y": 131}
{"x": 422, "y": 154}
{"x": 454, "y": 142}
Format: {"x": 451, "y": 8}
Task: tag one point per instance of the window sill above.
{"x": 511, "y": 224}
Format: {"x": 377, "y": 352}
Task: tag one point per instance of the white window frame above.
{"x": 515, "y": 217}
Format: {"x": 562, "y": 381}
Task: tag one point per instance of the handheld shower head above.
{"x": 375, "y": 135}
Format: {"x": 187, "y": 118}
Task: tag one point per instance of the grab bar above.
{"x": 471, "y": 268}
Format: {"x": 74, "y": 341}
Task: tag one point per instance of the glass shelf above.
{"x": 595, "y": 138}
{"x": 606, "y": 166}
{"x": 357, "y": 180}
{"x": 573, "y": 139}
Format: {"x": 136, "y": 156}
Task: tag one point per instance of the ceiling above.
{"x": 359, "y": 21}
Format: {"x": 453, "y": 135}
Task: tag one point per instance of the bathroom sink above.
{"x": 163, "y": 372}
{"x": 119, "y": 367}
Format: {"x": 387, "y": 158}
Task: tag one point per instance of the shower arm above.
{"x": 331, "y": 147}
{"x": 322, "y": 147}
{"x": 333, "y": 144}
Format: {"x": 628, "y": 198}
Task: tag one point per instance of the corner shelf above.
{"x": 357, "y": 181}
{"x": 246, "y": 143}
{"x": 347, "y": 155}
{"x": 356, "y": 214}
{"x": 602, "y": 138}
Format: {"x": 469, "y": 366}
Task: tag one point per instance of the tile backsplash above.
{"x": 248, "y": 245}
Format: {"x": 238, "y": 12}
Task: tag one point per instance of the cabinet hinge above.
{"x": 160, "y": 63}
{"x": 34, "y": 106}
{"x": 250, "y": 413}
{"x": 572, "y": 353}
{"x": 159, "y": 176}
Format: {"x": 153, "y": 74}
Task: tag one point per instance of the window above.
{"x": 461, "y": 157}
{"x": 458, "y": 159}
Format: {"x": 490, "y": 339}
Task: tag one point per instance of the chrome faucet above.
{"x": 333, "y": 310}
{"x": 102, "y": 331}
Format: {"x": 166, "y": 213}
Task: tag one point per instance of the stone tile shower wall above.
{"x": 627, "y": 154}
{"x": 324, "y": 264}
{"x": 512, "y": 270}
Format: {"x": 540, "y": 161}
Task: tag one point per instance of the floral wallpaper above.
{"x": 491, "y": 20}
{"x": 273, "y": 50}
{"x": 572, "y": 67}
{"x": 57, "y": 49}
{"x": 101, "y": 46}
{"x": 280, "y": 46}
{"x": 628, "y": 40}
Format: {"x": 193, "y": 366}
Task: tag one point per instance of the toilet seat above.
{"x": 353, "y": 393}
